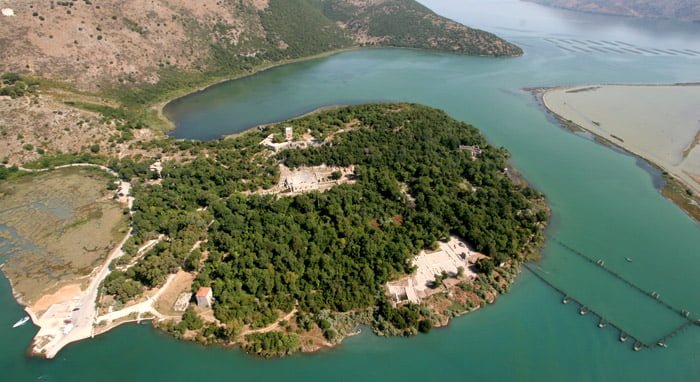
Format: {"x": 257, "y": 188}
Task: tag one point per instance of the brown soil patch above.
{"x": 312, "y": 340}
{"x": 46, "y": 123}
{"x": 181, "y": 283}
{"x": 90, "y": 43}
{"x": 207, "y": 315}
{"x": 65, "y": 293}
{"x": 678, "y": 193}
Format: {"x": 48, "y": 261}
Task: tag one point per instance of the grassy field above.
{"x": 56, "y": 228}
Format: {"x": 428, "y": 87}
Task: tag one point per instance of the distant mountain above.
{"x": 686, "y": 10}
{"x": 99, "y": 44}
{"x": 406, "y": 23}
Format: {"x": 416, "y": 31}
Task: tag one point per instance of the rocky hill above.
{"x": 686, "y": 10}
{"x": 93, "y": 44}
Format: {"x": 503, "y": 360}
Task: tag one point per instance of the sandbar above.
{"x": 660, "y": 123}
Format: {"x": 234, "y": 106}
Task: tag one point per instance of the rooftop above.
{"x": 203, "y": 292}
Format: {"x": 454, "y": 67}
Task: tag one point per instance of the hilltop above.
{"x": 91, "y": 76}
{"x": 96, "y": 44}
{"x": 403, "y": 23}
{"x": 686, "y": 10}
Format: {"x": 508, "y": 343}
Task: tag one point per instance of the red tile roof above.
{"x": 203, "y": 292}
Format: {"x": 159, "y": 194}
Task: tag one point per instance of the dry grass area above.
{"x": 166, "y": 302}
{"x": 679, "y": 194}
{"x": 455, "y": 300}
{"x": 89, "y": 43}
{"x": 50, "y": 126}
{"x": 47, "y": 124}
{"x": 59, "y": 227}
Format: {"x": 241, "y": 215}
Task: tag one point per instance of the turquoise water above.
{"x": 605, "y": 204}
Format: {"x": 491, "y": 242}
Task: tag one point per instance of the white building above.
{"x": 204, "y": 297}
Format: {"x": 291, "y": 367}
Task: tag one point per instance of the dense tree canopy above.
{"x": 333, "y": 250}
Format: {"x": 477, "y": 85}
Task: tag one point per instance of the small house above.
{"x": 288, "y": 134}
{"x": 204, "y": 297}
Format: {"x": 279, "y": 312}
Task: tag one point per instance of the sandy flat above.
{"x": 660, "y": 123}
{"x": 64, "y": 294}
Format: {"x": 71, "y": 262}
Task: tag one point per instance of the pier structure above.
{"x": 604, "y": 322}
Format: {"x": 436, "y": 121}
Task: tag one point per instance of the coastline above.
{"x": 453, "y": 299}
{"x": 69, "y": 317}
{"x": 266, "y": 125}
{"x": 496, "y": 284}
{"x": 159, "y": 107}
{"x": 673, "y": 189}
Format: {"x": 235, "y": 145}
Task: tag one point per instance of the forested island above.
{"x": 299, "y": 271}
{"x": 298, "y": 234}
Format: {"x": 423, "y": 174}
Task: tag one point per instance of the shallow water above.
{"x": 605, "y": 205}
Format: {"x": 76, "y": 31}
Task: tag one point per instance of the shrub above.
{"x": 425, "y": 326}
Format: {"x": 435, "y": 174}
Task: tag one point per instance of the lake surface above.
{"x": 605, "y": 205}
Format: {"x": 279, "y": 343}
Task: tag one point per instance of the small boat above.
{"x": 21, "y": 322}
{"x": 565, "y": 300}
{"x": 583, "y": 311}
{"x": 602, "y": 324}
{"x": 629, "y": 259}
{"x": 637, "y": 346}
{"x": 662, "y": 344}
{"x": 623, "y": 337}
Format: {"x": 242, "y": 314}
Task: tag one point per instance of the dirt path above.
{"x": 103, "y": 168}
{"x": 142, "y": 252}
{"x": 141, "y": 308}
{"x": 272, "y": 327}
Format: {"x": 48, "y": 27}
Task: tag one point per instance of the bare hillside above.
{"x": 92, "y": 43}
{"x": 130, "y": 40}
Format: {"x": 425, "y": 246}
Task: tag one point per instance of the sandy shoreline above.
{"x": 658, "y": 123}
